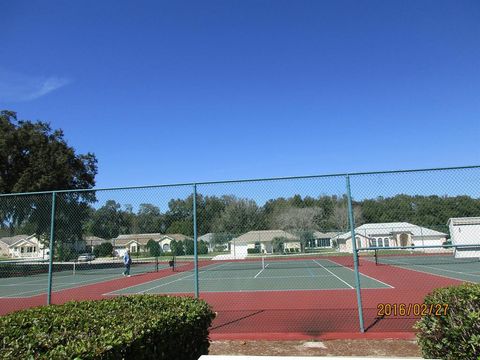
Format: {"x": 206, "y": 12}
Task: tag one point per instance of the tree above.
{"x": 202, "y": 247}
{"x": 104, "y": 249}
{"x": 189, "y": 246}
{"x": 109, "y": 221}
{"x": 33, "y": 157}
{"x": 177, "y": 248}
{"x": 240, "y": 216}
{"x": 277, "y": 244}
{"x": 154, "y": 248}
{"x": 148, "y": 219}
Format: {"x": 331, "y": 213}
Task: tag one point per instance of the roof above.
{"x": 393, "y": 227}
{"x": 320, "y": 235}
{"x": 14, "y": 239}
{"x": 464, "y": 221}
{"x": 95, "y": 240}
{"x": 206, "y": 237}
{"x": 143, "y": 239}
{"x": 383, "y": 229}
{"x": 264, "y": 236}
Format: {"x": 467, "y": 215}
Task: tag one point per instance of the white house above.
{"x": 207, "y": 238}
{"x": 465, "y": 231}
{"x": 138, "y": 242}
{"x": 391, "y": 234}
{"x": 262, "y": 240}
{"x": 321, "y": 240}
{"x": 23, "y": 246}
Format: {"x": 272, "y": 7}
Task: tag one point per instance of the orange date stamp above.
{"x": 412, "y": 309}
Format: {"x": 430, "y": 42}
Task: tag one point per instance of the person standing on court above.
{"x": 127, "y": 260}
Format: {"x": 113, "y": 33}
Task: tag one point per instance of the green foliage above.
{"x": 181, "y": 227}
{"x": 254, "y": 250}
{"x": 278, "y": 243}
{"x": 455, "y": 335}
{"x": 154, "y": 248}
{"x": 189, "y": 246}
{"x": 104, "y": 249}
{"x": 177, "y": 248}
{"x": 109, "y": 221}
{"x": 33, "y": 157}
{"x": 126, "y": 327}
{"x": 202, "y": 248}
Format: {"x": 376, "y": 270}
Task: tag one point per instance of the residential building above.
{"x": 465, "y": 231}
{"x": 138, "y": 242}
{"x": 263, "y": 241}
{"x": 23, "y": 246}
{"x": 390, "y": 234}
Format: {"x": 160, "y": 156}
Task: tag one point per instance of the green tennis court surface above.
{"x": 464, "y": 269}
{"x": 320, "y": 274}
{"x": 27, "y": 279}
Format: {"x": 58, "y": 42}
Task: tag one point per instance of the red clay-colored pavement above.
{"x": 287, "y": 315}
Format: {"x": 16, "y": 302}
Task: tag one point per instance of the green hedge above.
{"x": 455, "y": 335}
{"x": 253, "y": 250}
{"x": 126, "y": 327}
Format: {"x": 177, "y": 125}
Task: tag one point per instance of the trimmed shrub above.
{"x": 126, "y": 327}
{"x": 455, "y": 335}
{"x": 253, "y": 251}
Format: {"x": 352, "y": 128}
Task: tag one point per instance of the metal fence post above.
{"x": 51, "y": 247}
{"x": 195, "y": 251}
{"x": 355, "y": 255}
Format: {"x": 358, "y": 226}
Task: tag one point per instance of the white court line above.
{"x": 372, "y": 278}
{"x": 148, "y": 282}
{"x": 266, "y": 277}
{"x": 56, "y": 287}
{"x": 350, "y": 286}
{"x": 434, "y": 268}
{"x": 260, "y": 272}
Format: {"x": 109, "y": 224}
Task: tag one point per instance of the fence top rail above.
{"x": 247, "y": 180}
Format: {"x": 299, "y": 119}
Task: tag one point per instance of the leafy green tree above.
{"x": 103, "y": 250}
{"x": 154, "y": 248}
{"x": 33, "y": 157}
{"x": 149, "y": 219}
{"x": 177, "y": 248}
{"x": 277, "y": 244}
{"x": 240, "y": 216}
{"x": 202, "y": 247}
{"x": 109, "y": 221}
{"x": 189, "y": 246}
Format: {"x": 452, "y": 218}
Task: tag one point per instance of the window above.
{"x": 380, "y": 242}
{"x": 325, "y": 242}
{"x": 359, "y": 242}
{"x": 386, "y": 242}
{"x": 373, "y": 242}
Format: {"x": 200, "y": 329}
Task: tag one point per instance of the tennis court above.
{"x": 257, "y": 275}
{"x": 444, "y": 265}
{"x": 28, "y": 279}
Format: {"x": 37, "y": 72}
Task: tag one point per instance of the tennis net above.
{"x": 41, "y": 267}
{"x": 307, "y": 261}
{"x": 436, "y": 256}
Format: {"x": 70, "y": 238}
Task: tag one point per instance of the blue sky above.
{"x": 181, "y": 91}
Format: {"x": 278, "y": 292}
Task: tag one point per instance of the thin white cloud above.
{"x": 15, "y": 87}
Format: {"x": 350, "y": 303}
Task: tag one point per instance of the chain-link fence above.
{"x": 270, "y": 255}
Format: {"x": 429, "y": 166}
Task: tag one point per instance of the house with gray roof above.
{"x": 23, "y": 246}
{"x": 263, "y": 240}
{"x": 390, "y": 234}
{"x": 138, "y": 242}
